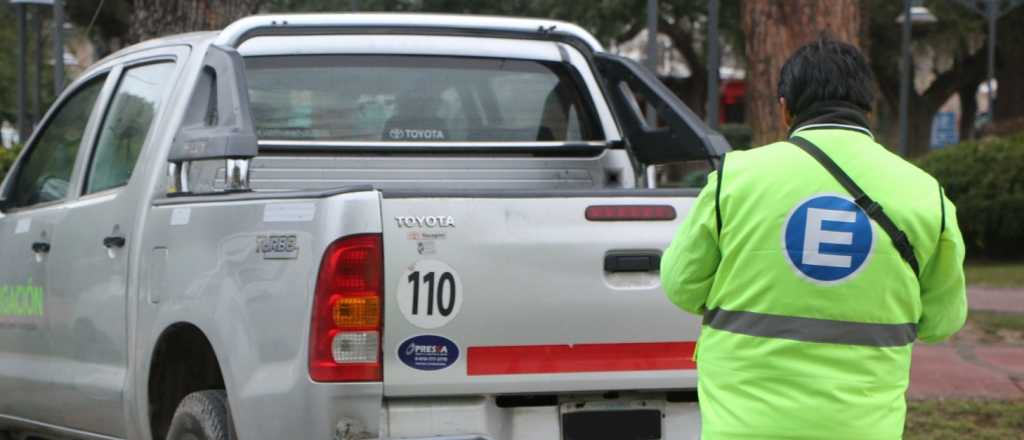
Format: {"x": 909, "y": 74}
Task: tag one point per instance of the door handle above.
{"x": 41, "y": 247}
{"x": 632, "y": 261}
{"x": 113, "y": 242}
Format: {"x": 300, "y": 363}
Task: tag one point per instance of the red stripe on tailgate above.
{"x": 580, "y": 358}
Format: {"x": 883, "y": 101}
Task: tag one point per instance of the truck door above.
{"x": 678, "y": 135}
{"x": 90, "y": 272}
{"x": 34, "y": 202}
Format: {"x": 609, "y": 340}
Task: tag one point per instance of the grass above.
{"x": 965, "y": 419}
{"x": 992, "y": 324}
{"x": 993, "y": 274}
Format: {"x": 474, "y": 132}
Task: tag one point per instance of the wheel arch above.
{"x": 183, "y": 361}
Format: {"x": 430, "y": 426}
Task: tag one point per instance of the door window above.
{"x": 126, "y": 125}
{"x": 45, "y": 173}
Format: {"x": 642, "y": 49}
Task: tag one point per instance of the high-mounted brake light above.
{"x": 611, "y": 213}
{"x": 345, "y": 332}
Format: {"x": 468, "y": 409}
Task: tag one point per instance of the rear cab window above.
{"x": 127, "y": 124}
{"x": 417, "y": 98}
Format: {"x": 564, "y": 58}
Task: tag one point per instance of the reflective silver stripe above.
{"x": 810, "y": 329}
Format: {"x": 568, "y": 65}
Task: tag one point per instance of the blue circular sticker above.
{"x": 828, "y": 238}
{"x": 428, "y": 352}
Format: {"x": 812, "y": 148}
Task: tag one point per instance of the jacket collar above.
{"x": 832, "y": 115}
{"x": 824, "y": 126}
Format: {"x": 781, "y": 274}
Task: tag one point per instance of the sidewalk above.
{"x": 958, "y": 369}
{"x": 996, "y": 299}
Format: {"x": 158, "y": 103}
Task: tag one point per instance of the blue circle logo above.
{"x": 827, "y": 238}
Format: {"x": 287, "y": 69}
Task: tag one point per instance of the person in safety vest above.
{"x": 816, "y": 263}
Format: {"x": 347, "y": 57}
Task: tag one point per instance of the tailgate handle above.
{"x": 41, "y": 247}
{"x": 632, "y": 261}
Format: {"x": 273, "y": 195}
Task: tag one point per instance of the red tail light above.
{"x": 345, "y": 333}
{"x": 610, "y": 213}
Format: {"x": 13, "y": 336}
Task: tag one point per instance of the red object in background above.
{"x": 732, "y": 93}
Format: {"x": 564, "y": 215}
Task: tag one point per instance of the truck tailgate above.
{"x": 504, "y": 294}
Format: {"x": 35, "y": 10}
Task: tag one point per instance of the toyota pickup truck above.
{"x": 352, "y": 226}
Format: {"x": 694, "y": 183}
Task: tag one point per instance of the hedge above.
{"x": 739, "y": 136}
{"x": 985, "y": 180}
{"x": 7, "y": 157}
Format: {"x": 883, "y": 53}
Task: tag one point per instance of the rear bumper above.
{"x": 454, "y": 437}
{"x": 359, "y": 411}
{"x": 480, "y": 417}
{"x": 313, "y": 411}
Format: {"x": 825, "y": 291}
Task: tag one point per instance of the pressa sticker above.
{"x": 428, "y": 352}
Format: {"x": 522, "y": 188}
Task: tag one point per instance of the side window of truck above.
{"x": 45, "y": 173}
{"x": 126, "y": 125}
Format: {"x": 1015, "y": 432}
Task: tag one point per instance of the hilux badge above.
{"x": 429, "y": 221}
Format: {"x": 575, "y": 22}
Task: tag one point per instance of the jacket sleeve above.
{"x": 689, "y": 264}
{"x": 943, "y": 289}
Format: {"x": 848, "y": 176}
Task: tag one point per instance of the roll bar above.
{"x": 305, "y": 24}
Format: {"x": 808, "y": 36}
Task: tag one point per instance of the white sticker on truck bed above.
{"x": 430, "y": 294}
{"x": 288, "y": 212}
{"x": 181, "y": 216}
{"x": 23, "y": 226}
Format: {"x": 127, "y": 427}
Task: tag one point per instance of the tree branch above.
{"x": 630, "y": 32}
{"x": 682, "y": 40}
{"x": 964, "y": 70}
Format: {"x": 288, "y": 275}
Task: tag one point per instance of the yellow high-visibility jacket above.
{"x": 810, "y": 313}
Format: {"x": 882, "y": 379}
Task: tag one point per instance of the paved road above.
{"x": 962, "y": 370}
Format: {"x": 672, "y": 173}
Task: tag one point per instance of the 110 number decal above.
{"x": 430, "y": 294}
{"x": 443, "y": 295}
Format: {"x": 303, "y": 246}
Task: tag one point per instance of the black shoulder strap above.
{"x": 872, "y": 208}
{"x": 942, "y": 207}
{"x": 718, "y": 196}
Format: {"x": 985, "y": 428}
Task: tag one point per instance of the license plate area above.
{"x": 632, "y": 420}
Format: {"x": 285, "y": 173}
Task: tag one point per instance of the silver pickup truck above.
{"x": 354, "y": 227}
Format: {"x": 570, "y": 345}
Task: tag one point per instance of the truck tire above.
{"x": 202, "y": 415}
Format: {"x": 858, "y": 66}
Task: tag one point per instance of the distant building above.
{"x": 8, "y": 135}
{"x": 672, "y": 66}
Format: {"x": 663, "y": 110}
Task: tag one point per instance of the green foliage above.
{"x": 610, "y": 21}
{"x": 740, "y": 136}
{"x": 7, "y": 159}
{"x": 985, "y": 180}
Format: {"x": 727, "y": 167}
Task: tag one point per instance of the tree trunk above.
{"x": 776, "y": 28}
{"x": 692, "y": 91}
{"x": 968, "y": 109}
{"x": 154, "y": 18}
{"x": 1010, "y": 67}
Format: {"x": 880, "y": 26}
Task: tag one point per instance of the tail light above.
{"x": 611, "y": 213}
{"x": 345, "y": 333}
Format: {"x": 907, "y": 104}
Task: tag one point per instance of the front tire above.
{"x": 202, "y": 415}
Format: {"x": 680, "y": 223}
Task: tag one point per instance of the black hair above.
{"x": 826, "y": 70}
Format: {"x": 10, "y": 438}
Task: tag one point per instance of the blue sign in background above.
{"x": 944, "y": 129}
{"x": 428, "y": 352}
{"x": 857, "y": 250}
